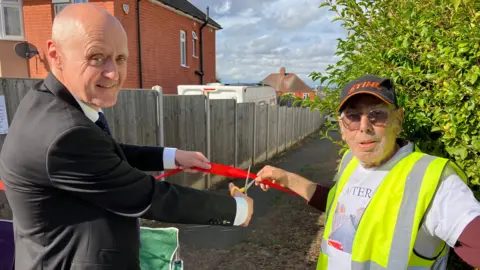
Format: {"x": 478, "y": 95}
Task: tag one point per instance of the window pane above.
{"x": 13, "y": 24}
{"x": 80, "y": 1}
{"x": 183, "y": 53}
{"x": 9, "y": 1}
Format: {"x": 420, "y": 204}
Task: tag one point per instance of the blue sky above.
{"x": 260, "y": 36}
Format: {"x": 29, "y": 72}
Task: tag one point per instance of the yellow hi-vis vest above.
{"x": 388, "y": 229}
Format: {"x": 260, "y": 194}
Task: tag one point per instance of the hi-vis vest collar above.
{"x": 388, "y": 229}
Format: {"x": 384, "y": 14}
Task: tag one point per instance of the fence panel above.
{"x": 261, "y": 133}
{"x": 272, "y": 131}
{"x": 184, "y": 120}
{"x": 282, "y": 113}
{"x": 14, "y": 90}
{"x": 245, "y": 136}
{"x": 222, "y": 133}
{"x": 195, "y": 134}
{"x": 133, "y": 119}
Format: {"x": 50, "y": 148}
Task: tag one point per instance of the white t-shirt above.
{"x": 453, "y": 207}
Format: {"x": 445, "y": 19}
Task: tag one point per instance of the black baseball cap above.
{"x": 382, "y": 88}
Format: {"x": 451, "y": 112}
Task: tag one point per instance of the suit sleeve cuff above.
{"x": 242, "y": 211}
{"x": 169, "y": 158}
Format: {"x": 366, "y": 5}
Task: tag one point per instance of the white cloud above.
{"x": 260, "y": 36}
{"x": 224, "y": 8}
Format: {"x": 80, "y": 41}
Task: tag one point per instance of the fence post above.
{"x": 235, "y": 136}
{"x": 314, "y": 128}
{"x": 268, "y": 132}
{"x": 160, "y": 122}
{"x": 160, "y": 125}
{"x": 278, "y": 129}
{"x": 312, "y": 125}
{"x": 285, "y": 133}
{"x": 208, "y": 130}
{"x": 301, "y": 123}
{"x": 305, "y": 122}
{"x": 254, "y": 133}
{"x": 293, "y": 126}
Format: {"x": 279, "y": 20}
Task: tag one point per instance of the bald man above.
{"x": 76, "y": 194}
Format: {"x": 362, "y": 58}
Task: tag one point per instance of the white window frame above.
{"x": 306, "y": 95}
{"x": 4, "y": 36}
{"x": 58, "y": 5}
{"x": 194, "y": 44}
{"x": 183, "y": 48}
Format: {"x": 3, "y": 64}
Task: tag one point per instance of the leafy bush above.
{"x": 431, "y": 49}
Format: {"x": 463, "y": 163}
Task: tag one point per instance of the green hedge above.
{"x": 431, "y": 49}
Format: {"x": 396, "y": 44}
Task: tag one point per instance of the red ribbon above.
{"x": 230, "y": 172}
{"x": 219, "y": 169}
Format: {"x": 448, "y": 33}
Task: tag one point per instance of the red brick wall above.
{"x": 160, "y": 28}
{"x": 38, "y": 18}
{"x": 160, "y": 43}
{"x": 129, "y": 22}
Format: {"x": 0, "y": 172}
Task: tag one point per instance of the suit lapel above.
{"x": 59, "y": 90}
{"x": 53, "y": 85}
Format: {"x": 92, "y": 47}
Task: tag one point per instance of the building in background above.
{"x": 11, "y": 32}
{"x": 172, "y": 35}
{"x": 289, "y": 83}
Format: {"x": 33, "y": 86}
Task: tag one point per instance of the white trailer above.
{"x": 257, "y": 94}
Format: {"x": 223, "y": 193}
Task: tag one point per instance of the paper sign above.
{"x": 3, "y": 116}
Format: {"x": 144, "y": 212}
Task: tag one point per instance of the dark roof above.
{"x": 190, "y": 9}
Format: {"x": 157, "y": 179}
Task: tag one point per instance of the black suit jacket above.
{"x": 75, "y": 193}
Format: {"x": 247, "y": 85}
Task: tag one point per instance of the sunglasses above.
{"x": 377, "y": 117}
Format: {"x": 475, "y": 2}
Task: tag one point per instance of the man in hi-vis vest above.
{"x": 392, "y": 207}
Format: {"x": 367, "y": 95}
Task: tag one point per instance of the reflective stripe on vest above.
{"x": 388, "y": 228}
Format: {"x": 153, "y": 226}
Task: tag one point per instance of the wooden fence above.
{"x": 237, "y": 134}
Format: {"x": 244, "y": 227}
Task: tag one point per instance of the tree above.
{"x": 217, "y": 78}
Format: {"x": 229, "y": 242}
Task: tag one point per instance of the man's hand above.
{"x": 275, "y": 175}
{"x": 249, "y": 203}
{"x": 185, "y": 160}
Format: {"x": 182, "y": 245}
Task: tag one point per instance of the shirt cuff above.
{"x": 242, "y": 211}
{"x": 169, "y": 158}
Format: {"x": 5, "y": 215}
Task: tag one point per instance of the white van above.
{"x": 242, "y": 93}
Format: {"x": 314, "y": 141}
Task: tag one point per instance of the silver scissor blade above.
{"x": 248, "y": 186}
{"x": 246, "y": 178}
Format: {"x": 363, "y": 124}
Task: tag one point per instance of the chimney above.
{"x": 282, "y": 71}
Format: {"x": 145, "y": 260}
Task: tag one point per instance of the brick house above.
{"x": 170, "y": 40}
{"x": 289, "y": 83}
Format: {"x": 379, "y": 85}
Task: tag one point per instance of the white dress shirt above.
{"x": 169, "y": 163}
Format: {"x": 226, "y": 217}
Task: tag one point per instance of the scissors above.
{"x": 245, "y": 188}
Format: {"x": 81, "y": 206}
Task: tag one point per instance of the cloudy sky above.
{"x": 260, "y": 36}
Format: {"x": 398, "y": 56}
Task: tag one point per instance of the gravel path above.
{"x": 285, "y": 233}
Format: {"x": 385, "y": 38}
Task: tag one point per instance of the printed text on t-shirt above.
{"x": 360, "y": 192}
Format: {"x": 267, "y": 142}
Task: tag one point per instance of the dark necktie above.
{"x": 102, "y": 123}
